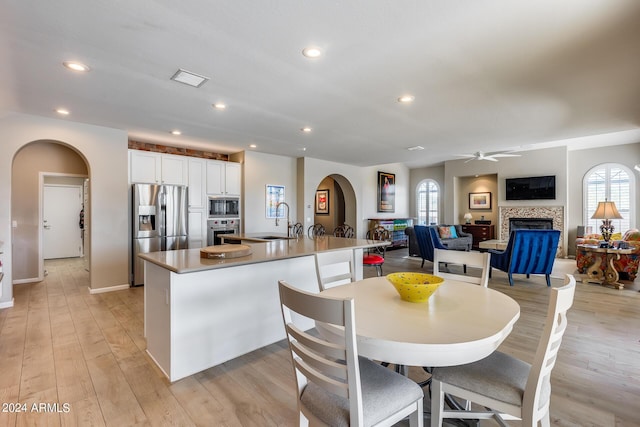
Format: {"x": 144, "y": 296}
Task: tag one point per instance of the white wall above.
{"x": 105, "y": 151}
{"x": 259, "y": 170}
{"x": 370, "y": 191}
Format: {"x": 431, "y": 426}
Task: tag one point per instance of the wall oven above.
{"x": 216, "y": 227}
{"x": 224, "y": 207}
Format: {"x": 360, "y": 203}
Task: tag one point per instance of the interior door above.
{"x": 62, "y": 236}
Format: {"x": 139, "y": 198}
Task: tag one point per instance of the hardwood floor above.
{"x": 80, "y": 359}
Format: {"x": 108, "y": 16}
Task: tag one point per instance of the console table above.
{"x": 610, "y": 276}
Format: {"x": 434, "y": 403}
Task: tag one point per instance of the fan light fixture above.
{"x": 491, "y": 156}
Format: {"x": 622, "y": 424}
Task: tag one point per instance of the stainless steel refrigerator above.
{"x": 159, "y": 222}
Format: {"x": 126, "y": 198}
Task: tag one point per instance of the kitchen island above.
{"x": 201, "y": 312}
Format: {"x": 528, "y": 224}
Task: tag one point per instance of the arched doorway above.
{"x": 341, "y": 206}
{"x": 36, "y": 166}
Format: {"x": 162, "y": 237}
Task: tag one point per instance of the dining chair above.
{"x": 375, "y": 256}
{"x": 508, "y": 387}
{"x": 297, "y": 229}
{"x": 336, "y": 387}
{"x": 316, "y": 230}
{"x": 344, "y": 230}
{"x": 334, "y": 268}
{"x": 527, "y": 252}
{"x": 470, "y": 259}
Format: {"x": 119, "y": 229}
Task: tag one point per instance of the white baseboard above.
{"x": 109, "y": 289}
{"x": 7, "y": 304}
{"x": 31, "y": 280}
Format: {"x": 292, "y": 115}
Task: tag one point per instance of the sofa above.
{"x": 626, "y": 266}
{"x": 461, "y": 241}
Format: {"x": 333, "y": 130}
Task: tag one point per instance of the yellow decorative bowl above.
{"x": 415, "y": 287}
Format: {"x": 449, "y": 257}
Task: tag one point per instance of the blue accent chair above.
{"x": 428, "y": 239}
{"x": 425, "y": 242}
{"x": 527, "y": 252}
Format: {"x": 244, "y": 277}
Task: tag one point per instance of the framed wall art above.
{"x": 275, "y": 195}
{"x": 322, "y": 202}
{"x": 480, "y": 200}
{"x": 386, "y": 192}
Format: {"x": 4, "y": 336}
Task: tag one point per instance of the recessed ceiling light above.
{"x": 176, "y": 132}
{"x": 417, "y": 147}
{"x": 76, "y": 66}
{"x": 62, "y": 111}
{"x": 253, "y": 146}
{"x": 406, "y": 98}
{"x": 312, "y": 52}
{"x": 189, "y": 78}
{"x": 220, "y": 106}
{"x": 306, "y": 129}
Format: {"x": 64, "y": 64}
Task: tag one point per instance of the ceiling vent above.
{"x": 189, "y": 78}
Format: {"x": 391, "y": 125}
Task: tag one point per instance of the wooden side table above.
{"x": 610, "y": 276}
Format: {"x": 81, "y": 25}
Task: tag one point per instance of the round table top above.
{"x": 460, "y": 323}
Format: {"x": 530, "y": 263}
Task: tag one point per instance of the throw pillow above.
{"x": 454, "y": 233}
{"x": 445, "y": 232}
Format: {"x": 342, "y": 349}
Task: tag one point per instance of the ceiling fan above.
{"x": 491, "y": 156}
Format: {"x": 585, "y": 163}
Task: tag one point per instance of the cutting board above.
{"x": 225, "y": 251}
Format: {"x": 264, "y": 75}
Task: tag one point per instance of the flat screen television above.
{"x": 531, "y": 188}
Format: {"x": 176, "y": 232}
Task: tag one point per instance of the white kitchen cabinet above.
{"x": 197, "y": 181}
{"x": 174, "y": 169}
{"x": 144, "y": 167}
{"x": 223, "y": 178}
{"x": 157, "y": 168}
{"x": 197, "y": 228}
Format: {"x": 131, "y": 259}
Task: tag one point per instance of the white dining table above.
{"x": 460, "y": 323}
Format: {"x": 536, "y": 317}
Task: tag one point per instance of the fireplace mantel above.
{"x": 554, "y": 212}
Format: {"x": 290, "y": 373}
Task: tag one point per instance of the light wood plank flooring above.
{"x": 83, "y": 355}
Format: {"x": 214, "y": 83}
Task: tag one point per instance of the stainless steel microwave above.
{"x": 224, "y": 207}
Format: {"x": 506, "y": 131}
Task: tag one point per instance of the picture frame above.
{"x": 274, "y": 195}
{"x": 480, "y": 201}
{"x": 322, "y": 202}
{"x": 386, "y": 192}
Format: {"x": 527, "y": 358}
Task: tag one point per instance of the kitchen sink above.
{"x": 274, "y": 237}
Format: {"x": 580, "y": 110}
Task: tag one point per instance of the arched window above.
{"x": 427, "y": 202}
{"x": 613, "y": 182}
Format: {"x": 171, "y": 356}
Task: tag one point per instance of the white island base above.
{"x": 198, "y": 319}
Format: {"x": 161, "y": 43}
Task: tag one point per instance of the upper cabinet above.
{"x": 156, "y": 168}
{"x": 223, "y": 178}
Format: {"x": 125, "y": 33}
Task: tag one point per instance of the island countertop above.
{"x": 189, "y": 260}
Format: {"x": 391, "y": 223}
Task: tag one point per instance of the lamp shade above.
{"x": 468, "y": 216}
{"x": 606, "y": 210}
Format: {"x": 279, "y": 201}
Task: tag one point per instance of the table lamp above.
{"x": 468, "y": 217}
{"x": 606, "y": 211}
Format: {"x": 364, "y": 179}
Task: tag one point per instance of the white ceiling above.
{"x": 486, "y": 74}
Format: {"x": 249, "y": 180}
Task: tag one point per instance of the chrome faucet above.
{"x": 288, "y": 219}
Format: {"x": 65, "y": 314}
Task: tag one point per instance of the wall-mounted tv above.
{"x": 531, "y": 188}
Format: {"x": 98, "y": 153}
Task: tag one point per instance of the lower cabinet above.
{"x": 480, "y": 233}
